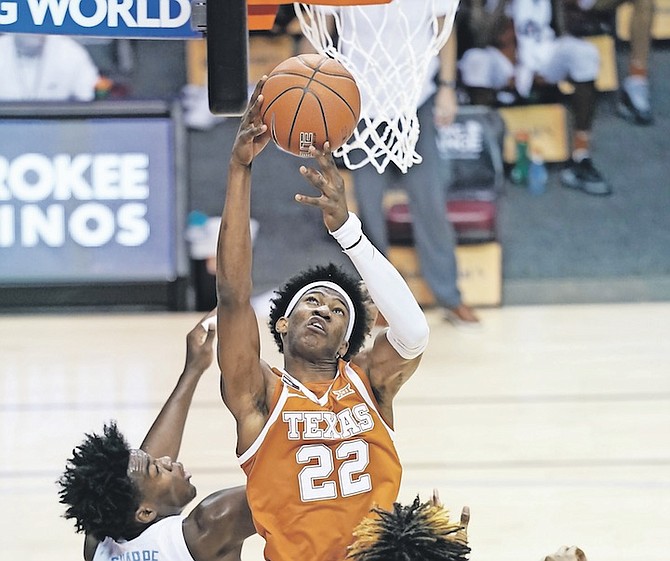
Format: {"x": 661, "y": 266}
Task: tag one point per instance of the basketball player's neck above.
{"x": 308, "y": 370}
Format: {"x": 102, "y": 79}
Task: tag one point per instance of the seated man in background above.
{"x": 520, "y": 49}
{"x": 45, "y": 68}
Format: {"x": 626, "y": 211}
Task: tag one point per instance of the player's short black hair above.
{"x": 331, "y": 272}
{"x": 101, "y": 497}
{"x": 416, "y": 532}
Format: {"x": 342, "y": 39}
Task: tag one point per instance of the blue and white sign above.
{"x": 87, "y": 200}
{"x": 158, "y": 19}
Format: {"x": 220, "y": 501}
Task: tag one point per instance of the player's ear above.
{"x": 145, "y": 514}
{"x": 282, "y": 325}
{"x": 344, "y": 347}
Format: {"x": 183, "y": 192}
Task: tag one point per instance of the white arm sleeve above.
{"x": 408, "y": 329}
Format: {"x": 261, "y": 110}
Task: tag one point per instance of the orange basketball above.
{"x": 310, "y": 99}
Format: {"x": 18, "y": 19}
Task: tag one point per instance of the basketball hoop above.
{"x": 389, "y": 74}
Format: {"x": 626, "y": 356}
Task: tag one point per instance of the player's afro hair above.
{"x": 332, "y": 273}
{"x": 417, "y": 532}
{"x": 95, "y": 485}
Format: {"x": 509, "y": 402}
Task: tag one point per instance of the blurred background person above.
{"x": 45, "y": 68}
{"x": 524, "y": 47}
{"x": 634, "y": 102}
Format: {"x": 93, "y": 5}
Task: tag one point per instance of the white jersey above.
{"x": 162, "y": 541}
{"x": 535, "y": 36}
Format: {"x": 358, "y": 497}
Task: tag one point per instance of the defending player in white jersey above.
{"x": 128, "y": 502}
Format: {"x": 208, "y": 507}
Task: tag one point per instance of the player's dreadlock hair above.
{"x": 417, "y": 532}
{"x": 101, "y": 498}
{"x": 332, "y": 273}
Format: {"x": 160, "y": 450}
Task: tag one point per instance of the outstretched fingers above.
{"x": 251, "y": 123}
{"x": 465, "y": 518}
{"x": 326, "y": 162}
{"x": 465, "y": 512}
{"x": 326, "y": 179}
{"x": 253, "y": 135}
{"x": 254, "y": 106}
{"x": 332, "y": 200}
{"x": 318, "y": 181}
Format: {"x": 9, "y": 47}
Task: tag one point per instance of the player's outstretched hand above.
{"x": 462, "y": 534}
{"x": 253, "y": 135}
{"x": 200, "y": 345}
{"x": 332, "y": 200}
{"x": 465, "y": 520}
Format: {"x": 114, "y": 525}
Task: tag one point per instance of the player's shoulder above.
{"x": 272, "y": 377}
{"x": 271, "y": 373}
{"x": 361, "y": 360}
{"x": 355, "y": 373}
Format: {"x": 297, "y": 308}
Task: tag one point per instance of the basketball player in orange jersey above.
{"x": 315, "y": 437}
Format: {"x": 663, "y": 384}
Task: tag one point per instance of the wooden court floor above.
{"x": 551, "y": 423}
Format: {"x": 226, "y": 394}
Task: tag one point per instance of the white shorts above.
{"x": 567, "y": 58}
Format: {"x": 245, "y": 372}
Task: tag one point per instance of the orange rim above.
{"x": 262, "y": 13}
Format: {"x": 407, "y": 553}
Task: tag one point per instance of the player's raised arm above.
{"x": 165, "y": 435}
{"x": 397, "y": 351}
{"x": 242, "y": 382}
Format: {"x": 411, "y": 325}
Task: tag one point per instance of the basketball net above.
{"x": 389, "y": 52}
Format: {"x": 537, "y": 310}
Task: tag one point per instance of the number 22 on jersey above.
{"x": 318, "y": 481}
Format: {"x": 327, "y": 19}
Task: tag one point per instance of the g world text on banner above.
{"x": 158, "y": 19}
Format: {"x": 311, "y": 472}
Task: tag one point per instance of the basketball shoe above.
{"x": 583, "y": 175}
{"x": 634, "y": 104}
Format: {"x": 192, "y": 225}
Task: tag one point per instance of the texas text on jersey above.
{"x": 345, "y": 463}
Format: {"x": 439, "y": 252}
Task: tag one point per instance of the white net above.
{"x": 392, "y": 52}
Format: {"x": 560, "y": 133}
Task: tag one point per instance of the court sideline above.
{"x": 552, "y": 423}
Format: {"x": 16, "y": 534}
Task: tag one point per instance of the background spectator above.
{"x": 634, "y": 98}
{"x": 522, "y": 50}
{"x": 45, "y": 68}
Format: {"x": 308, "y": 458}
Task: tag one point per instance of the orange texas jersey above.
{"x": 319, "y": 465}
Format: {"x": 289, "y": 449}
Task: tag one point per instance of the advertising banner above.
{"x": 157, "y": 19}
{"x": 85, "y": 200}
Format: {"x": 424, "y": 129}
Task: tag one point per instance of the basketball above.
{"x": 310, "y": 99}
